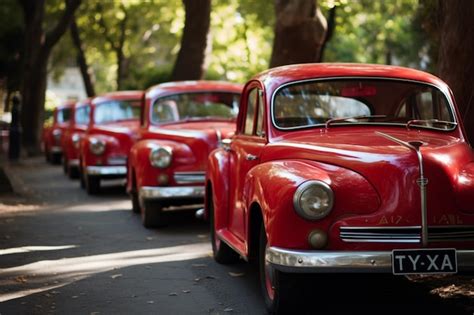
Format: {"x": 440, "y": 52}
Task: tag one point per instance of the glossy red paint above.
{"x": 53, "y": 135}
{"x": 190, "y": 140}
{"x": 73, "y": 135}
{"x": 373, "y": 178}
{"x": 116, "y": 135}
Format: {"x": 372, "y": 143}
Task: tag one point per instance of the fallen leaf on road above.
{"x": 21, "y": 279}
{"x": 202, "y": 235}
{"x": 197, "y": 279}
{"x": 236, "y": 274}
{"x": 173, "y": 294}
{"x": 75, "y": 296}
{"x": 149, "y": 238}
{"x": 186, "y": 291}
{"x": 210, "y": 277}
{"x": 118, "y": 275}
{"x": 199, "y": 265}
{"x": 151, "y": 302}
{"x": 228, "y": 310}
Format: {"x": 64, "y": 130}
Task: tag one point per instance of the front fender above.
{"x": 146, "y": 174}
{"x": 272, "y": 185}
{"x": 217, "y": 176}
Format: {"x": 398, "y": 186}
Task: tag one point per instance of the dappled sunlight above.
{"x": 38, "y": 276}
{"x": 29, "y": 249}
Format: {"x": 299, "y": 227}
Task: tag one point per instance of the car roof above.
{"x": 275, "y": 77}
{"x": 192, "y": 86}
{"x": 118, "y": 95}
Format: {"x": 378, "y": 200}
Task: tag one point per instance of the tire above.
{"x": 73, "y": 172}
{"x": 134, "y": 195}
{"x": 65, "y": 166}
{"x": 280, "y": 290}
{"x": 221, "y": 252}
{"x": 92, "y": 184}
{"x": 81, "y": 176}
{"x": 47, "y": 156}
{"x": 152, "y": 214}
{"x": 55, "y": 158}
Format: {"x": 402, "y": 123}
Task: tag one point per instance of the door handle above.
{"x": 251, "y": 157}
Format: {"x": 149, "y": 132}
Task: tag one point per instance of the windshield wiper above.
{"x": 333, "y": 120}
{"x": 430, "y": 121}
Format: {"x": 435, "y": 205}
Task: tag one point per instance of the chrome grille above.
{"x": 406, "y": 234}
{"x": 189, "y": 177}
{"x": 409, "y": 234}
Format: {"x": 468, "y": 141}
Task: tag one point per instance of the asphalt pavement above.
{"x": 64, "y": 252}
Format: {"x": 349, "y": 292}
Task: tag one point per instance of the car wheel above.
{"x": 134, "y": 195}
{"x": 152, "y": 214}
{"x": 81, "y": 178}
{"x": 47, "y": 156}
{"x": 56, "y": 158}
{"x": 73, "y": 172}
{"x": 65, "y": 166}
{"x": 222, "y": 253}
{"x": 92, "y": 184}
{"x": 280, "y": 290}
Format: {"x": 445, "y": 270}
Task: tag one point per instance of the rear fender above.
{"x": 217, "y": 177}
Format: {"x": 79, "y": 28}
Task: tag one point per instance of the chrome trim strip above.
{"x": 189, "y": 177}
{"x": 317, "y": 261}
{"x": 442, "y": 89}
{"x": 422, "y": 182}
{"x": 157, "y": 193}
{"x": 355, "y": 228}
{"x": 106, "y": 170}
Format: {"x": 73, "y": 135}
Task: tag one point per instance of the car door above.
{"x": 245, "y": 151}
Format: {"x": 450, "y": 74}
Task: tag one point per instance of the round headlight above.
{"x": 313, "y": 200}
{"x": 75, "y": 140}
{"x": 97, "y": 146}
{"x": 57, "y": 134}
{"x": 161, "y": 157}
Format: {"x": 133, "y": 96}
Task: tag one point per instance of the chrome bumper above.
{"x": 163, "y": 193}
{"x": 106, "y": 170}
{"x": 345, "y": 261}
{"x": 73, "y": 163}
{"x": 56, "y": 149}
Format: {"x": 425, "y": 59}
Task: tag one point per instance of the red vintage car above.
{"x": 182, "y": 123}
{"x": 104, "y": 148}
{"x": 342, "y": 168}
{"x": 71, "y": 139}
{"x": 52, "y": 135}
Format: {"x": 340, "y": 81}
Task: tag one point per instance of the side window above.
{"x": 82, "y": 115}
{"x": 250, "y": 114}
{"x": 260, "y": 115}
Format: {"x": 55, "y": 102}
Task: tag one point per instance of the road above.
{"x": 64, "y": 252}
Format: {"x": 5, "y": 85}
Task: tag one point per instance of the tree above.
{"x": 86, "y": 71}
{"x": 300, "y": 31}
{"x": 37, "y": 48}
{"x": 191, "y": 58}
{"x": 455, "y": 55}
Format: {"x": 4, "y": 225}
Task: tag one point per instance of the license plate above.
{"x": 424, "y": 261}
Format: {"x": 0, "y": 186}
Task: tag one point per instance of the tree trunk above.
{"x": 86, "y": 72}
{"x": 331, "y": 22}
{"x": 190, "y": 63}
{"x": 37, "y": 49}
{"x": 455, "y": 56}
{"x": 300, "y": 30}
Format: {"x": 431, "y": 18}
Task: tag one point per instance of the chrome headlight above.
{"x": 97, "y": 146}
{"x": 57, "y": 135}
{"x": 313, "y": 200}
{"x": 161, "y": 157}
{"x": 75, "y": 140}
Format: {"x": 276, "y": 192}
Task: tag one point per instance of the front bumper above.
{"x": 167, "y": 193}
{"x": 107, "y": 171}
{"x": 312, "y": 261}
{"x": 56, "y": 149}
{"x": 73, "y": 163}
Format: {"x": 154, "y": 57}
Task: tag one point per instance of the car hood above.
{"x": 129, "y": 127}
{"x": 390, "y": 167}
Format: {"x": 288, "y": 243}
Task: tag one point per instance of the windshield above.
{"x": 203, "y": 105}
{"x": 64, "y": 115}
{"x": 111, "y": 111}
{"x": 362, "y": 101}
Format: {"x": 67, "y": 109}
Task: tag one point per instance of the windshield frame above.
{"x": 444, "y": 91}
{"x": 156, "y": 99}
{"x": 93, "y": 120}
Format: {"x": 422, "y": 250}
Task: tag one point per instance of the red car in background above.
{"x": 113, "y": 126}
{"x": 182, "y": 123}
{"x": 342, "y": 168}
{"x": 72, "y": 136}
{"x": 52, "y": 135}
